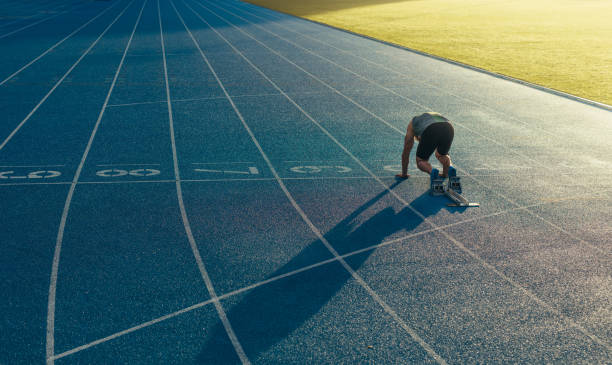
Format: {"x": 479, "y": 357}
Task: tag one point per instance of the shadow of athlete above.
{"x": 268, "y": 314}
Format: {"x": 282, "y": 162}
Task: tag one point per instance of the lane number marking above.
{"x": 42, "y": 174}
{"x": 318, "y": 169}
{"x": 120, "y": 172}
{"x": 252, "y": 170}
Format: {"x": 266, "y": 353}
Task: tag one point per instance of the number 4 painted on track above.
{"x": 252, "y": 171}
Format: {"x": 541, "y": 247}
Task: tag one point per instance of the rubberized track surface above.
{"x": 212, "y": 182}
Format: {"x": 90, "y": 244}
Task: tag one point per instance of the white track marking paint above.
{"x": 227, "y": 171}
{"x": 456, "y": 242}
{"x": 37, "y": 10}
{"x": 37, "y": 22}
{"x": 444, "y": 91}
{"x": 534, "y": 214}
{"x": 57, "y": 84}
{"x": 120, "y": 172}
{"x": 590, "y": 245}
{"x": 56, "y": 44}
{"x": 47, "y": 183}
{"x": 253, "y": 170}
{"x": 50, "y": 339}
{"x": 194, "y": 247}
{"x": 216, "y": 98}
{"x": 27, "y": 166}
{"x": 135, "y": 104}
{"x": 542, "y": 165}
{"x": 296, "y": 206}
{"x": 221, "y": 163}
{"x": 132, "y": 329}
{"x": 551, "y": 200}
{"x": 128, "y": 164}
{"x": 399, "y": 73}
{"x": 276, "y": 278}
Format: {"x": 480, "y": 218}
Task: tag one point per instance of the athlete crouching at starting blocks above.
{"x": 434, "y": 133}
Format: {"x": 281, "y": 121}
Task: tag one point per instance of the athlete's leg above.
{"x": 445, "y": 160}
{"x": 425, "y": 149}
{"x": 423, "y": 165}
{"x": 445, "y": 140}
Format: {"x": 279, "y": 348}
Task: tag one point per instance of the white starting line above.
{"x": 147, "y": 170}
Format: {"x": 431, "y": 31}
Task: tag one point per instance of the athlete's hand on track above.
{"x": 402, "y": 176}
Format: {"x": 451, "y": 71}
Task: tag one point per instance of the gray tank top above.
{"x": 421, "y": 122}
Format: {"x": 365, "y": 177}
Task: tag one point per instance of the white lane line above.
{"x": 551, "y": 200}
{"x": 590, "y": 245}
{"x": 542, "y": 165}
{"x": 45, "y": 183}
{"x": 216, "y": 98}
{"x": 546, "y": 166}
{"x": 456, "y": 242}
{"x": 50, "y": 337}
{"x": 20, "y": 13}
{"x": 132, "y": 329}
{"x": 282, "y": 17}
{"x": 36, "y": 10}
{"x": 194, "y": 247}
{"x": 39, "y": 21}
{"x": 26, "y": 166}
{"x": 56, "y": 44}
{"x": 57, "y": 84}
{"x": 296, "y": 206}
{"x": 494, "y": 141}
{"x": 274, "y": 279}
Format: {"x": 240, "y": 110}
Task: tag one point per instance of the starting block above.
{"x": 452, "y": 191}
{"x": 436, "y": 183}
{"x": 454, "y": 184}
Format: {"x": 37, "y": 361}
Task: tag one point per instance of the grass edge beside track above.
{"x": 602, "y": 102}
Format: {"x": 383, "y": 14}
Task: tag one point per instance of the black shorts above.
{"x": 438, "y": 136}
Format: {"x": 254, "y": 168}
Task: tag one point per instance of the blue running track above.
{"x": 211, "y": 182}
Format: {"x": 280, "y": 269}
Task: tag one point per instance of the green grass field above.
{"x": 565, "y": 45}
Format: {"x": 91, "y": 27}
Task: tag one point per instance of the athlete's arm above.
{"x": 408, "y": 143}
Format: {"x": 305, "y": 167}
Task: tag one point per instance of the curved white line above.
{"x": 586, "y": 243}
{"x": 373, "y": 83}
{"x": 50, "y": 341}
{"x": 194, "y": 247}
{"x": 279, "y": 277}
{"x": 297, "y": 207}
{"x": 457, "y": 243}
